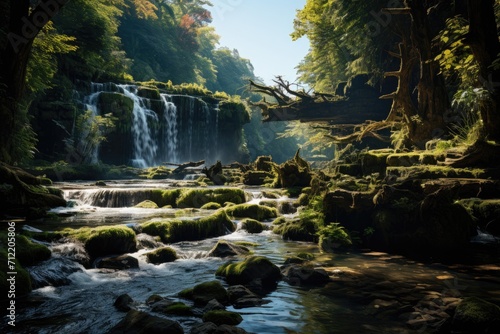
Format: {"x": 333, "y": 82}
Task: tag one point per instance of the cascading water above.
{"x": 174, "y": 128}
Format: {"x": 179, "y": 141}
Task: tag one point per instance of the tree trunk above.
{"x": 432, "y": 97}
{"x": 483, "y": 40}
{"x": 22, "y": 27}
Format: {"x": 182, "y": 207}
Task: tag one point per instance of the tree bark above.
{"x": 22, "y": 27}
{"x": 432, "y": 97}
{"x": 483, "y": 40}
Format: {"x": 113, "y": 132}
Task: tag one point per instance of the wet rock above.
{"x": 255, "y": 272}
{"x": 213, "y": 305}
{"x": 252, "y": 226}
{"x": 241, "y": 297}
{"x": 153, "y": 299}
{"x": 123, "y": 302}
{"x": 305, "y": 275}
{"x": 145, "y": 241}
{"x": 162, "y": 255}
{"x": 475, "y": 315}
{"x": 173, "y": 308}
{"x": 221, "y": 317}
{"x": 137, "y": 322}
{"x": 121, "y": 262}
{"x": 204, "y": 328}
{"x": 254, "y": 211}
{"x": 203, "y": 293}
{"x": 224, "y": 248}
{"x": 53, "y": 272}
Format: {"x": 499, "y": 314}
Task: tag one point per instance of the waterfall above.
{"x": 170, "y": 130}
{"x": 174, "y": 128}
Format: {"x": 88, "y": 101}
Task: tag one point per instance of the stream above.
{"x": 370, "y": 292}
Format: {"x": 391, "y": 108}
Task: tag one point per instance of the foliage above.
{"x": 88, "y": 133}
{"x": 334, "y": 233}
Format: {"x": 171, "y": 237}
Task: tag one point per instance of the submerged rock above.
{"x": 122, "y": 303}
{"x": 205, "y": 292}
{"x": 137, "y": 322}
{"x": 304, "y": 275}
{"x": 121, "y": 262}
{"x": 241, "y": 297}
{"x": 221, "y": 317}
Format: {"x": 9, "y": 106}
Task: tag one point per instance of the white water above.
{"x": 84, "y": 305}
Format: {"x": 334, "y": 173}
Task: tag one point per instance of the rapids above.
{"x": 370, "y": 293}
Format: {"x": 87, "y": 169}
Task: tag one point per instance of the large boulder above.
{"x": 304, "y": 275}
{"x": 221, "y": 317}
{"x": 162, "y": 255}
{"x": 255, "y": 271}
{"x": 253, "y": 211}
{"x": 137, "y": 322}
{"x": 203, "y": 293}
{"x": 475, "y": 315}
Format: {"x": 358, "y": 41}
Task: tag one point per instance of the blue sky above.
{"x": 260, "y": 31}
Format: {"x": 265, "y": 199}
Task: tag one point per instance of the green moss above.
{"x": 178, "y": 308}
{"x": 196, "y": 198}
{"x": 29, "y": 253}
{"x": 268, "y": 203}
{"x": 105, "y": 240}
{"x": 186, "y": 293}
{"x": 252, "y": 226}
{"x": 156, "y": 173}
{"x": 148, "y": 92}
{"x": 165, "y": 197}
{"x": 299, "y": 258}
{"x": 211, "y": 206}
{"x": 246, "y": 243}
{"x": 253, "y": 211}
{"x": 297, "y": 230}
{"x": 205, "y": 292}
{"x": 474, "y": 315}
{"x": 221, "y": 317}
{"x": 162, "y": 255}
{"x": 175, "y": 230}
{"x": 147, "y": 205}
{"x": 435, "y": 172}
{"x": 252, "y": 268}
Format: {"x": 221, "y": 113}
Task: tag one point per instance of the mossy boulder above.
{"x": 175, "y": 230}
{"x": 121, "y": 262}
{"x": 105, "y": 240}
{"x": 205, "y": 292}
{"x": 220, "y": 317}
{"x": 151, "y": 93}
{"x": 211, "y": 206}
{"x": 264, "y": 163}
{"x": 162, "y": 255}
{"x": 173, "y": 308}
{"x": 257, "y": 177}
{"x": 299, "y": 258}
{"x": 196, "y": 198}
{"x": 224, "y": 248}
{"x": 22, "y": 194}
{"x": 29, "y": 253}
{"x": 296, "y": 229}
{"x": 254, "y": 211}
{"x": 143, "y": 323}
{"x": 147, "y": 205}
{"x": 475, "y": 315}
{"x": 252, "y": 226}
{"x": 165, "y": 197}
{"x": 254, "y": 269}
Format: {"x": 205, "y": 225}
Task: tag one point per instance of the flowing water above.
{"x": 370, "y": 292}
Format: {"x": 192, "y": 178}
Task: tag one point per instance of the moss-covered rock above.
{"x": 296, "y": 229}
{"x": 254, "y": 211}
{"x": 257, "y": 177}
{"x": 252, "y": 226}
{"x": 224, "y": 248}
{"x": 196, "y": 198}
{"x": 105, "y": 240}
{"x": 211, "y": 206}
{"x": 147, "y": 204}
{"x": 220, "y": 317}
{"x": 165, "y": 197}
{"x": 162, "y": 255}
{"x": 475, "y": 315}
{"x": 205, "y": 292}
{"x": 254, "y": 268}
{"x": 175, "y": 230}
{"x": 175, "y": 308}
{"x": 29, "y": 253}
{"x": 151, "y": 93}
{"x": 299, "y": 258}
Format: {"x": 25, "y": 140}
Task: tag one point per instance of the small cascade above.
{"x": 174, "y": 128}
{"x": 109, "y": 198}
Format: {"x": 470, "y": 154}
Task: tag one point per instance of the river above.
{"x": 370, "y": 292}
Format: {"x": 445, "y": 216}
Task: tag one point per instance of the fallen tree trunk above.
{"x": 180, "y": 167}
